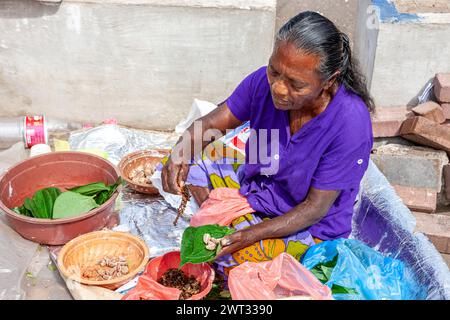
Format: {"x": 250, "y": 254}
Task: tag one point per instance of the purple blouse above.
{"x": 330, "y": 152}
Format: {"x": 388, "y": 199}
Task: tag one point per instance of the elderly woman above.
{"x": 315, "y": 98}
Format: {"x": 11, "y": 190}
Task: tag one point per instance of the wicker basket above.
{"x": 86, "y": 250}
{"x": 134, "y": 160}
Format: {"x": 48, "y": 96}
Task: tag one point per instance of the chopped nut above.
{"x": 211, "y": 246}
{"x": 206, "y": 238}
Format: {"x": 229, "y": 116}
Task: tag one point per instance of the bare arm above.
{"x": 307, "y": 213}
{"x": 175, "y": 171}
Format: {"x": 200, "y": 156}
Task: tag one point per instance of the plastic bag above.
{"x": 222, "y": 207}
{"x": 280, "y": 278}
{"x": 359, "y": 267}
{"x": 149, "y": 289}
{"x": 193, "y": 248}
{"x": 199, "y": 109}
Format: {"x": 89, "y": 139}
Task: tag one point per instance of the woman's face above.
{"x": 294, "y": 81}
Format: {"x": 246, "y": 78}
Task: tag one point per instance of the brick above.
{"x": 446, "y": 259}
{"x": 436, "y": 227}
{"x": 387, "y": 121}
{"x": 430, "y": 110}
{"x": 446, "y": 172}
{"x": 442, "y": 87}
{"x": 426, "y": 132}
{"x": 418, "y": 199}
{"x": 416, "y": 167}
{"x": 446, "y": 110}
{"x": 378, "y": 142}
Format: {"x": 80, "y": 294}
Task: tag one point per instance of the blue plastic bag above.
{"x": 371, "y": 274}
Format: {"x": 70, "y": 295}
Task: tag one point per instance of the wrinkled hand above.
{"x": 237, "y": 241}
{"x": 174, "y": 176}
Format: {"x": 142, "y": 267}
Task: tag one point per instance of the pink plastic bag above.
{"x": 148, "y": 288}
{"x": 222, "y": 207}
{"x": 280, "y": 278}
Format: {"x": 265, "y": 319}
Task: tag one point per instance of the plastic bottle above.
{"x": 32, "y": 130}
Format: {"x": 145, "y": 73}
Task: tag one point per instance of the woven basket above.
{"x": 134, "y": 160}
{"x": 86, "y": 250}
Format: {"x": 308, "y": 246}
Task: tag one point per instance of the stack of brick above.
{"x": 412, "y": 149}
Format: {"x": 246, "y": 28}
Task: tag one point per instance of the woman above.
{"x": 314, "y": 97}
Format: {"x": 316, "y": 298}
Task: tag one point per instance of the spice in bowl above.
{"x": 142, "y": 173}
{"x": 175, "y": 278}
{"x": 107, "y": 268}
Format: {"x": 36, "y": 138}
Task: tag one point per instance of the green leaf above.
{"x": 326, "y": 272}
{"x": 193, "y": 248}
{"x": 337, "y": 289}
{"x": 90, "y": 189}
{"x": 71, "y": 204}
{"x": 22, "y": 210}
{"x": 102, "y": 197}
{"x": 27, "y": 204}
{"x": 332, "y": 263}
{"x": 317, "y": 272}
{"x": 98, "y": 190}
{"x": 323, "y": 270}
{"x": 41, "y": 205}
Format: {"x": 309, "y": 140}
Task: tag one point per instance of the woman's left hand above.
{"x": 237, "y": 241}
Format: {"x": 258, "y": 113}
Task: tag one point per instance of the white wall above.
{"x": 143, "y": 64}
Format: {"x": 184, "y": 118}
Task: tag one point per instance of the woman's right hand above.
{"x": 174, "y": 176}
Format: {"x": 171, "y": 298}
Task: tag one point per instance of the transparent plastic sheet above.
{"x": 118, "y": 141}
{"x": 151, "y": 218}
{"x": 383, "y": 222}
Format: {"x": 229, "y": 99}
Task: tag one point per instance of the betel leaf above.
{"x": 90, "y": 189}
{"x": 326, "y": 271}
{"x": 71, "y": 204}
{"x": 40, "y": 205}
{"x": 193, "y": 248}
{"x": 318, "y": 273}
{"x": 322, "y": 271}
{"x": 99, "y": 190}
{"x": 42, "y": 202}
{"x": 102, "y": 197}
{"x": 337, "y": 289}
{"x": 23, "y": 211}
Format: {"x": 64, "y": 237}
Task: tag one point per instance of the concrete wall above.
{"x": 342, "y": 12}
{"x": 402, "y": 50}
{"x": 142, "y": 63}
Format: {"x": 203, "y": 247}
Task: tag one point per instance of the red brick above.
{"x": 446, "y": 110}
{"x": 430, "y": 110}
{"x": 387, "y": 121}
{"x": 426, "y": 132}
{"x": 417, "y": 199}
{"x": 436, "y": 227}
{"x": 442, "y": 87}
{"x": 446, "y": 172}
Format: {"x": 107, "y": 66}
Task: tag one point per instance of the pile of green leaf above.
{"x": 193, "y": 248}
{"x": 51, "y": 203}
{"x": 323, "y": 272}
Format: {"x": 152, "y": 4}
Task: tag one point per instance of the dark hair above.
{"x": 315, "y": 34}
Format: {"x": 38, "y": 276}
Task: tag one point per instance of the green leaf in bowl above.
{"x": 71, "y": 204}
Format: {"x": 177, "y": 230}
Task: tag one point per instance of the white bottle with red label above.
{"x": 31, "y": 130}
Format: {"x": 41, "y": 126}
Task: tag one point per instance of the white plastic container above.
{"x": 39, "y": 148}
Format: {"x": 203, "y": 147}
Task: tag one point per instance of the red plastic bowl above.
{"x": 149, "y": 289}
{"x": 62, "y": 170}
